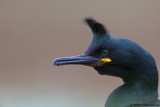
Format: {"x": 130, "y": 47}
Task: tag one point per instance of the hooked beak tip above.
{"x": 55, "y": 62}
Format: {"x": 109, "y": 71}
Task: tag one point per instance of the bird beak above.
{"x": 81, "y": 60}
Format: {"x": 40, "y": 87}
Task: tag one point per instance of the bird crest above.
{"x": 96, "y": 27}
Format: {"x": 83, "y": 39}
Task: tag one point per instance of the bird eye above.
{"x": 104, "y": 53}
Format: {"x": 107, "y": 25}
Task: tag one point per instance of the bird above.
{"x": 123, "y": 58}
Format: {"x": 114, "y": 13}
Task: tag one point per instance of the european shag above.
{"x": 121, "y": 58}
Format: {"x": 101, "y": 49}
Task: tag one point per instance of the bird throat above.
{"x": 134, "y": 91}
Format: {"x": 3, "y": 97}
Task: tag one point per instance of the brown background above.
{"x": 33, "y": 32}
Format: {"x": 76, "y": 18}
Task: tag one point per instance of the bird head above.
{"x": 113, "y": 56}
{"x": 97, "y": 54}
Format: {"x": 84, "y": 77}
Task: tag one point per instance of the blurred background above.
{"x": 34, "y": 32}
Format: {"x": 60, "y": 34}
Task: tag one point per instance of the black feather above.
{"x": 96, "y": 26}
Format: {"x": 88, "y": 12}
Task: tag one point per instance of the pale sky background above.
{"x": 34, "y": 32}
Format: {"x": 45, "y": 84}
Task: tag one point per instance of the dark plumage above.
{"x": 121, "y": 58}
{"x": 95, "y": 26}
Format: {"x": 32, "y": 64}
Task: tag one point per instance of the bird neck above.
{"x": 146, "y": 79}
{"x": 137, "y": 92}
{"x": 142, "y": 85}
{"x": 142, "y": 82}
{"x": 133, "y": 91}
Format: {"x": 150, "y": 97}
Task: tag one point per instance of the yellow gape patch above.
{"x": 106, "y": 60}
